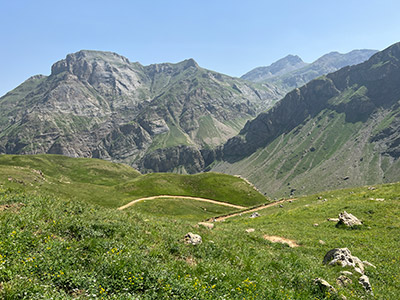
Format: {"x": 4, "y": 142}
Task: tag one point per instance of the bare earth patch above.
{"x": 15, "y": 206}
{"x": 278, "y": 239}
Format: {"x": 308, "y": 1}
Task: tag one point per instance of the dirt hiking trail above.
{"x": 180, "y": 197}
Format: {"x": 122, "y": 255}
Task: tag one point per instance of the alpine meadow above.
{"x": 132, "y": 169}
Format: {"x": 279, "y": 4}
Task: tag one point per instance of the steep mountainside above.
{"x": 291, "y": 72}
{"x": 99, "y": 104}
{"x": 339, "y": 130}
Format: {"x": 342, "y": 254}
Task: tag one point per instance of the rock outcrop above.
{"x": 348, "y": 220}
{"x": 343, "y": 257}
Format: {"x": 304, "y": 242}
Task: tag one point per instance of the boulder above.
{"x": 348, "y": 220}
{"x": 193, "y": 239}
{"x": 254, "y": 215}
{"x": 343, "y": 280}
{"x": 343, "y": 257}
{"x": 364, "y": 281}
{"x": 324, "y": 286}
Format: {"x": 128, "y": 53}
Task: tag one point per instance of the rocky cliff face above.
{"x": 99, "y": 104}
{"x": 342, "y": 125}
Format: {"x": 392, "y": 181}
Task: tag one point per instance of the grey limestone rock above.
{"x": 348, "y": 220}
{"x": 254, "y": 215}
{"x": 324, "y": 285}
{"x": 193, "y": 239}
{"x": 343, "y": 257}
{"x": 364, "y": 281}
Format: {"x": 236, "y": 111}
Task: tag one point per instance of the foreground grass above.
{"x": 63, "y": 249}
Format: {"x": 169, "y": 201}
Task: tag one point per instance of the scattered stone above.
{"x": 282, "y": 240}
{"x": 206, "y": 225}
{"x": 372, "y": 188}
{"x": 346, "y": 273}
{"x": 364, "y": 281}
{"x": 290, "y": 201}
{"x": 250, "y": 230}
{"x": 281, "y": 205}
{"x": 343, "y": 257}
{"x": 380, "y": 199}
{"x": 343, "y": 280}
{"x": 325, "y": 200}
{"x": 10, "y": 179}
{"x": 321, "y": 242}
{"x": 333, "y": 219}
{"x": 315, "y": 224}
{"x": 324, "y": 286}
{"x": 367, "y": 263}
{"x": 254, "y": 215}
{"x": 348, "y": 220}
{"x": 346, "y": 178}
{"x": 319, "y": 197}
{"x": 193, "y": 239}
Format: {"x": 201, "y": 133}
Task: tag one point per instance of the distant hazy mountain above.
{"x": 291, "y": 72}
{"x": 99, "y": 104}
{"x": 281, "y": 67}
{"x": 339, "y": 130}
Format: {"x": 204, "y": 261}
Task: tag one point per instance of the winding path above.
{"x": 231, "y": 215}
{"x": 180, "y": 197}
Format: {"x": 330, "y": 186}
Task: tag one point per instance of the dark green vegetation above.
{"x": 337, "y": 131}
{"x": 101, "y": 105}
{"x": 56, "y": 246}
{"x": 112, "y": 185}
{"x": 291, "y": 72}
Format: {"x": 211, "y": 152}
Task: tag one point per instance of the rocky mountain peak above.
{"x": 282, "y": 66}
{"x": 81, "y": 63}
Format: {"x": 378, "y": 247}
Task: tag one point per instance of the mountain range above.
{"x": 291, "y": 71}
{"x": 99, "y": 104}
{"x": 340, "y": 129}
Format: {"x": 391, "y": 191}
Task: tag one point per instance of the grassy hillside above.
{"x": 214, "y": 186}
{"x": 315, "y": 156}
{"x": 56, "y": 248}
{"x": 112, "y": 185}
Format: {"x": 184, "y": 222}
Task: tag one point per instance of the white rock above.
{"x": 193, "y": 239}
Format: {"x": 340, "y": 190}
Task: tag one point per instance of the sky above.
{"x": 227, "y": 36}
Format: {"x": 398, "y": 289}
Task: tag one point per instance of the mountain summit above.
{"x": 291, "y": 72}
{"x": 278, "y": 68}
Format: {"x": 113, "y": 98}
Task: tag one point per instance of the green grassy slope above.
{"x": 112, "y": 185}
{"x": 55, "y": 248}
{"x": 214, "y": 186}
{"x": 190, "y": 210}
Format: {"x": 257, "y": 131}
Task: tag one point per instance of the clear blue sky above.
{"x": 227, "y": 36}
